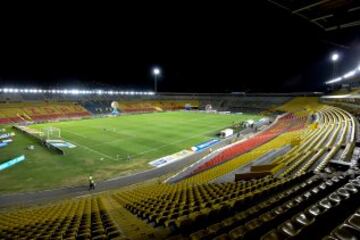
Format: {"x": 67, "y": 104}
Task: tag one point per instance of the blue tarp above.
{"x": 204, "y": 145}
{"x": 3, "y": 144}
{"x": 12, "y": 162}
{"x": 6, "y": 135}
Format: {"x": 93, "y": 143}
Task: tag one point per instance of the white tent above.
{"x": 226, "y": 133}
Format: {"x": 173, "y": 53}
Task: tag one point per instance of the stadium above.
{"x": 207, "y": 161}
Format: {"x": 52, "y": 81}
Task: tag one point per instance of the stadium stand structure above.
{"x": 40, "y": 111}
{"x": 20, "y": 107}
{"x": 349, "y": 102}
{"x": 153, "y": 106}
{"x": 285, "y": 123}
{"x": 98, "y": 106}
{"x": 17, "y": 112}
{"x": 310, "y": 191}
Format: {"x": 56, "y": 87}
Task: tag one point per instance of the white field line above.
{"x": 121, "y": 133}
{"x": 146, "y": 151}
{"x": 171, "y": 143}
{"x": 117, "y": 140}
{"x": 199, "y": 119}
{"x": 134, "y": 136}
{"x": 140, "y": 153}
{"x": 130, "y": 136}
{"x": 86, "y": 147}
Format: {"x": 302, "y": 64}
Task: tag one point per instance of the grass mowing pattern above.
{"x": 103, "y": 145}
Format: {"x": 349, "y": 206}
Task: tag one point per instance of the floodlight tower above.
{"x": 156, "y": 72}
{"x": 334, "y": 58}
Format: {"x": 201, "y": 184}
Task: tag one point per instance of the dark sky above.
{"x": 203, "y": 47}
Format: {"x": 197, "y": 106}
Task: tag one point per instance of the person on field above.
{"x": 91, "y": 183}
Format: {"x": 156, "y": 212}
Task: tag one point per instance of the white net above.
{"x": 51, "y": 133}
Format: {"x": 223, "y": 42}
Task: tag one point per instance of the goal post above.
{"x": 51, "y": 133}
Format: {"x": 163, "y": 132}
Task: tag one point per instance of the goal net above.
{"x": 51, "y": 133}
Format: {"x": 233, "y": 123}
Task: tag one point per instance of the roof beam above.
{"x": 322, "y": 17}
{"x": 300, "y": 15}
{"x": 354, "y": 9}
{"x": 310, "y": 6}
{"x": 279, "y": 5}
{"x": 345, "y": 25}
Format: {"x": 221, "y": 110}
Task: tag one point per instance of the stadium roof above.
{"x": 329, "y": 15}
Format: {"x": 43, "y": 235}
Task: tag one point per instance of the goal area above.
{"x": 51, "y": 133}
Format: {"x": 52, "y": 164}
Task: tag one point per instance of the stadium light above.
{"x": 350, "y": 74}
{"x": 345, "y": 76}
{"x": 335, "y": 57}
{"x": 75, "y": 91}
{"x": 156, "y": 72}
{"x": 334, "y": 80}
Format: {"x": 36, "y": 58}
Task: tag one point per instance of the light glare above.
{"x": 74, "y": 91}
{"x": 334, "y": 80}
{"x": 156, "y": 71}
{"x": 335, "y": 57}
{"x": 350, "y": 74}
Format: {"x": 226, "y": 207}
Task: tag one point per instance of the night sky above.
{"x": 203, "y": 47}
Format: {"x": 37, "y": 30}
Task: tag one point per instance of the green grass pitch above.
{"x": 103, "y": 146}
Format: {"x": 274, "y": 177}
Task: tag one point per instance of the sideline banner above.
{"x": 12, "y": 162}
{"x": 170, "y": 158}
{"x": 204, "y": 145}
{"x": 7, "y": 135}
{"x": 60, "y": 144}
{"x": 3, "y": 144}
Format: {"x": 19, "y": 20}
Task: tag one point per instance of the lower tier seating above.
{"x": 284, "y": 124}
{"x": 264, "y": 209}
{"x": 81, "y": 219}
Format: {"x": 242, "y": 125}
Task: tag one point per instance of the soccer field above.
{"x": 104, "y": 144}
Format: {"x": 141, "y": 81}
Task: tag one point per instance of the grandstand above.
{"x": 40, "y": 111}
{"x": 164, "y": 121}
{"x": 280, "y": 180}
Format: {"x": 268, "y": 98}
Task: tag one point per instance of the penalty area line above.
{"x": 86, "y": 147}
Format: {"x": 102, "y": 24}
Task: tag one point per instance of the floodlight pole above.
{"x": 334, "y": 69}
{"x": 334, "y": 59}
{"x": 156, "y": 71}
{"x": 155, "y": 83}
